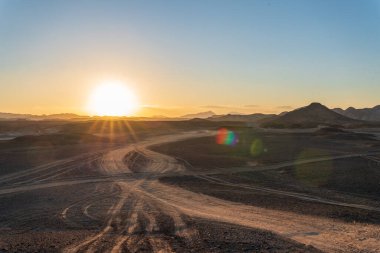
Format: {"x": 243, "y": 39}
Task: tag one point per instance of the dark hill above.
{"x": 310, "y": 116}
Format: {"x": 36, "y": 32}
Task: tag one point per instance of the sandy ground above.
{"x": 129, "y": 210}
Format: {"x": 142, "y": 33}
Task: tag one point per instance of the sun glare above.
{"x": 112, "y": 98}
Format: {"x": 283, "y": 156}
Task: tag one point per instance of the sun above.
{"x": 112, "y": 98}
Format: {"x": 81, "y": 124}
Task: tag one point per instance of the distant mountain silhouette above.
{"x": 200, "y": 115}
{"x": 59, "y": 116}
{"x": 312, "y": 115}
{"x": 369, "y": 114}
{"x": 5, "y": 115}
{"x": 241, "y": 117}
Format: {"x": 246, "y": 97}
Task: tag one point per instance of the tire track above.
{"x": 296, "y": 195}
{"x": 141, "y": 208}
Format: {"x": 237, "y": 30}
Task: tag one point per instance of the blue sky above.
{"x": 185, "y": 56}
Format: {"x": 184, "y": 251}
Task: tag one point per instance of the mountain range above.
{"x": 369, "y": 114}
{"x": 59, "y": 116}
{"x": 241, "y": 117}
{"x": 312, "y": 115}
{"x": 200, "y": 115}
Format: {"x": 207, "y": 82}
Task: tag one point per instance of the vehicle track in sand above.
{"x": 326, "y": 234}
{"x": 138, "y": 213}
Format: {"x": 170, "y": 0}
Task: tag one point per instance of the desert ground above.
{"x": 147, "y": 187}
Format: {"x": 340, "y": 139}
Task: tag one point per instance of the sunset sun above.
{"x": 112, "y": 98}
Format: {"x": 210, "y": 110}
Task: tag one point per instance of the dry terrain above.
{"x": 181, "y": 192}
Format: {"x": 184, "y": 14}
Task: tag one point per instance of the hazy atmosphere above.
{"x": 182, "y": 57}
{"x": 208, "y": 126}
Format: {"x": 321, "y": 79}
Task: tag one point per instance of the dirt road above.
{"x": 138, "y": 213}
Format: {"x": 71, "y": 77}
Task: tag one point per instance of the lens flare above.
{"x": 257, "y": 148}
{"x": 226, "y": 137}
